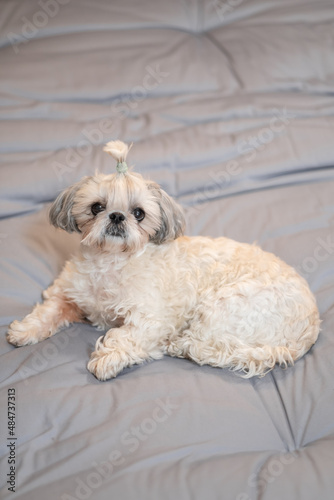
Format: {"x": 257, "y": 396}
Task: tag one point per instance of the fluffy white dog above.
{"x": 215, "y": 301}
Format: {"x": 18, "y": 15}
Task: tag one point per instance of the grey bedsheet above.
{"x": 230, "y": 105}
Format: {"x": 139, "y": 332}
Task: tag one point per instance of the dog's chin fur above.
{"x": 214, "y": 301}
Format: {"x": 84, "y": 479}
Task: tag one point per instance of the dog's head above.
{"x": 120, "y": 210}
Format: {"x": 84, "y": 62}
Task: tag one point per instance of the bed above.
{"x": 230, "y": 106}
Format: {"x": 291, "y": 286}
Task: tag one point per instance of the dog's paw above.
{"x": 105, "y": 366}
{"x": 107, "y": 362}
{"x": 22, "y": 333}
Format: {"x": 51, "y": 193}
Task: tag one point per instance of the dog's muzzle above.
{"x": 116, "y": 227}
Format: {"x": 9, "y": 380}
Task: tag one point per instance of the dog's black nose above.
{"x": 116, "y": 217}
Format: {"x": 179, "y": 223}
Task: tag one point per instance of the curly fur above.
{"x": 215, "y": 301}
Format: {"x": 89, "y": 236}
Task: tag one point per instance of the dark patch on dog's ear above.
{"x": 60, "y": 214}
{"x": 172, "y": 217}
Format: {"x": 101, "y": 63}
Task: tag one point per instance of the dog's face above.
{"x": 122, "y": 211}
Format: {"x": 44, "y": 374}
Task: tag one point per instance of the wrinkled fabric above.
{"x": 230, "y": 106}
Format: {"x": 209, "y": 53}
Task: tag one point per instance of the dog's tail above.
{"x": 258, "y": 361}
{"x": 249, "y": 360}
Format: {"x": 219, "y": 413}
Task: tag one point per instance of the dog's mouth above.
{"x": 117, "y": 231}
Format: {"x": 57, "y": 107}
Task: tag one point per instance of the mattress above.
{"x": 230, "y": 106}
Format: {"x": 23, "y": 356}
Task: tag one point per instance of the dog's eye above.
{"x": 139, "y": 214}
{"x": 96, "y": 208}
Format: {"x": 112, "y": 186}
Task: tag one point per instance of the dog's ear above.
{"x": 60, "y": 214}
{"x": 172, "y": 217}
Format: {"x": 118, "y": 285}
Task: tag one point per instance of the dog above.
{"x": 157, "y": 292}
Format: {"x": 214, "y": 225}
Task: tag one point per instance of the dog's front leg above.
{"x": 122, "y": 347}
{"x": 45, "y": 319}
